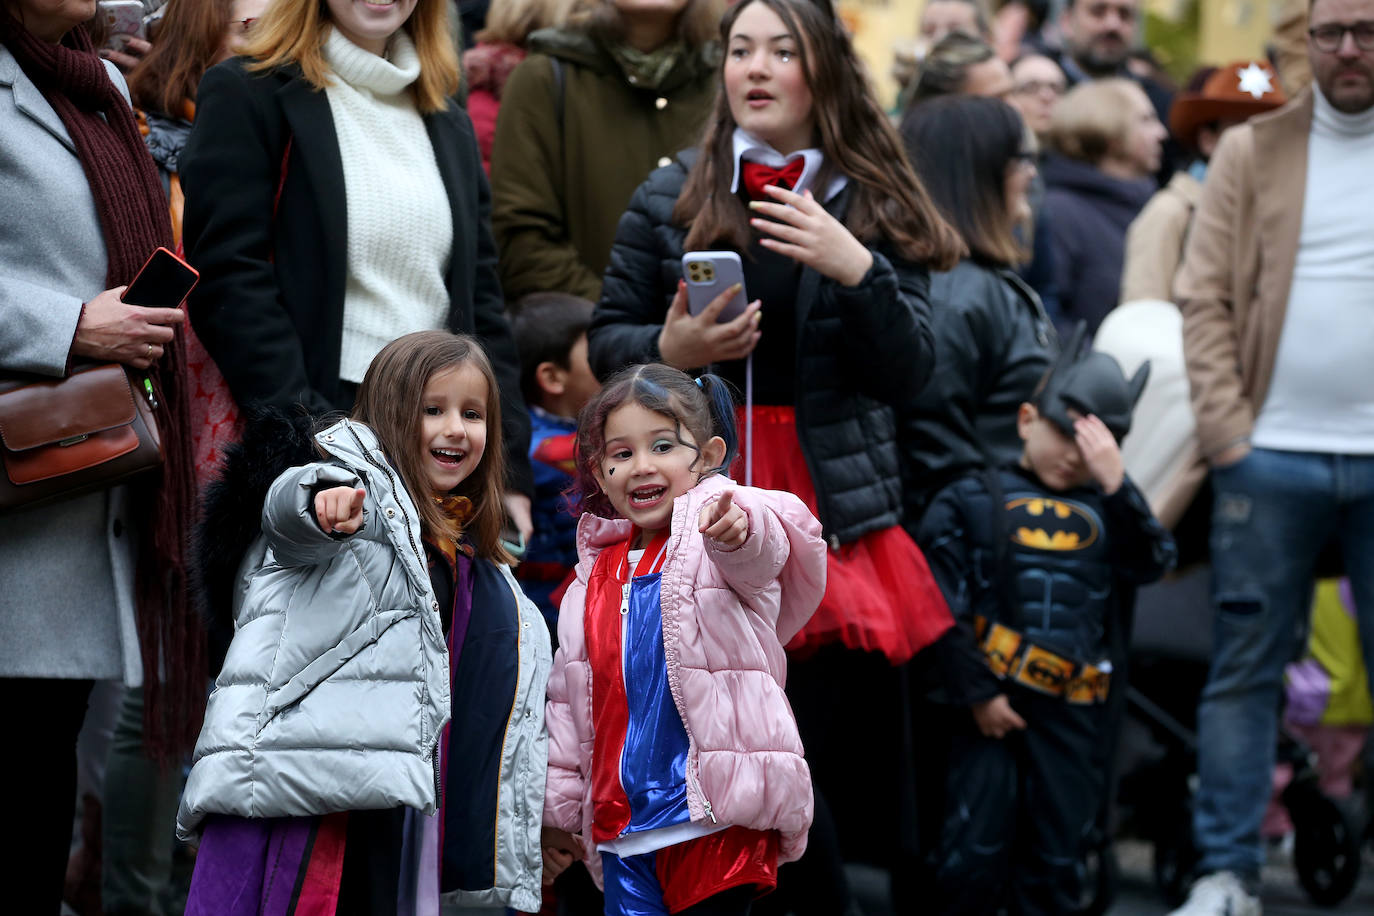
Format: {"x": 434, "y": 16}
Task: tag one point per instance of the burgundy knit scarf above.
{"x": 134, "y": 220}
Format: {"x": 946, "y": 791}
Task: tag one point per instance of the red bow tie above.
{"x": 755, "y": 175}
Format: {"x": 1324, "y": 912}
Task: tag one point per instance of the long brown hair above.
{"x": 293, "y": 32}
{"x": 887, "y": 200}
{"x": 389, "y": 403}
{"x": 190, "y": 40}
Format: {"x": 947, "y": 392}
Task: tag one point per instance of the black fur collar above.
{"x": 231, "y": 513}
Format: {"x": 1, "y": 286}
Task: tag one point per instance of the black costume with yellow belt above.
{"x": 1034, "y": 579}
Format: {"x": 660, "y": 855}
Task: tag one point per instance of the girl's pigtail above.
{"x": 722, "y": 403}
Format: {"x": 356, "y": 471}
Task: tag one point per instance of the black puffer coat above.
{"x": 863, "y": 352}
{"x": 994, "y": 342}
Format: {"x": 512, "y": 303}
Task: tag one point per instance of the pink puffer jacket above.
{"x": 726, "y": 616}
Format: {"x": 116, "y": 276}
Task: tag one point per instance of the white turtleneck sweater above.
{"x": 1321, "y": 397}
{"x": 400, "y": 228}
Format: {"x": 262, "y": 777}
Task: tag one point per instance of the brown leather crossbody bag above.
{"x": 61, "y": 438}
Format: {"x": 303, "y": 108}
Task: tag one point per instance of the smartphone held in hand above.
{"x": 710, "y": 273}
{"x": 164, "y": 281}
{"x": 121, "y": 20}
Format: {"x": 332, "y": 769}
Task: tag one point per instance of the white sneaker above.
{"x": 1219, "y": 894}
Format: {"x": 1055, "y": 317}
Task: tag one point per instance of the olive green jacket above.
{"x": 561, "y": 180}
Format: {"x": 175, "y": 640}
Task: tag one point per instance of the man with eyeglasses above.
{"x": 1277, "y": 290}
{"x": 1098, "y": 36}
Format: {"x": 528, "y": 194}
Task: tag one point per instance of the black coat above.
{"x": 863, "y": 352}
{"x": 994, "y": 341}
{"x": 1088, "y": 212}
{"x": 270, "y": 303}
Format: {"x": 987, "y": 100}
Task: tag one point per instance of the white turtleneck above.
{"x": 1321, "y": 397}
{"x": 400, "y": 228}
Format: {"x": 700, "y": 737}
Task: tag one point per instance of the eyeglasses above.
{"x": 1035, "y": 87}
{"x": 1329, "y": 38}
{"x": 243, "y": 24}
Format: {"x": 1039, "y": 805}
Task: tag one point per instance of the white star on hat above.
{"x": 1255, "y": 80}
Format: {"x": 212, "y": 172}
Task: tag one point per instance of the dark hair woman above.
{"x": 596, "y": 106}
{"x": 839, "y": 265}
{"x": 994, "y": 339}
{"x": 94, "y": 585}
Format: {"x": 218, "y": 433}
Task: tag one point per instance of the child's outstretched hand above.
{"x": 339, "y": 510}
{"x": 1100, "y": 452}
{"x": 561, "y": 849}
{"x": 724, "y": 522}
{"x": 995, "y": 717}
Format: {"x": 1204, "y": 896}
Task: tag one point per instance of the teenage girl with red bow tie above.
{"x": 800, "y": 172}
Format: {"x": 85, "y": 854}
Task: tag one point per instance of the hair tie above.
{"x": 698, "y": 380}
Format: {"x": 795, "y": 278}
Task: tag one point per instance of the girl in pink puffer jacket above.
{"x": 673, "y": 751}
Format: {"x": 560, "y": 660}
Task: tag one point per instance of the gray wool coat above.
{"x": 66, "y": 570}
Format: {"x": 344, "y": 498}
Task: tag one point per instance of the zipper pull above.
{"x": 706, "y": 804}
{"x": 624, "y": 599}
{"x": 148, "y": 393}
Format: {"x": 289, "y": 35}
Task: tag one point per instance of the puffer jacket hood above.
{"x": 726, "y": 615}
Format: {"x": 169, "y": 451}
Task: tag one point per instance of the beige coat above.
{"x": 1154, "y": 241}
{"x": 1238, "y": 269}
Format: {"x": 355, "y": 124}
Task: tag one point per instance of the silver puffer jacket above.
{"x": 336, "y": 684}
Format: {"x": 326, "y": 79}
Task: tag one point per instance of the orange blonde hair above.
{"x": 293, "y": 32}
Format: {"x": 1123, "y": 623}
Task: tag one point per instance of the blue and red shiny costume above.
{"x": 655, "y": 860}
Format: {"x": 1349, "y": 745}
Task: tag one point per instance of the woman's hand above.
{"x": 135, "y": 49}
{"x": 690, "y": 341}
{"x": 114, "y": 330}
{"x": 724, "y": 522}
{"x": 520, "y": 511}
{"x": 1100, "y": 452}
{"x": 561, "y": 849}
{"x": 806, "y": 232}
{"x": 996, "y": 718}
{"x": 339, "y": 510}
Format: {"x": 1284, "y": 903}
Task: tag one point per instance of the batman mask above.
{"x": 1089, "y": 383}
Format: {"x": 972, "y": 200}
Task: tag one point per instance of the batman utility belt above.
{"x": 1015, "y": 658}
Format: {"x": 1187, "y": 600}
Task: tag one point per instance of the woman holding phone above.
{"x": 93, "y": 585}
{"x": 801, "y": 174}
{"x": 335, "y": 200}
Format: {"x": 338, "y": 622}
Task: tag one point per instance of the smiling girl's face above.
{"x": 453, "y": 425}
{"x": 765, "y": 82}
{"x": 649, "y": 461}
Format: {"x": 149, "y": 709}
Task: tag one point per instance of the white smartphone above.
{"x": 710, "y": 273}
{"x": 123, "y": 19}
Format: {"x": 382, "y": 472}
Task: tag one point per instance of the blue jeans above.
{"x": 1273, "y": 513}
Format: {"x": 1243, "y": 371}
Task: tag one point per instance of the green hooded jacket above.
{"x": 560, "y": 183}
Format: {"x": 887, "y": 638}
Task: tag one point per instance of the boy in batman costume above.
{"x": 1038, "y": 563}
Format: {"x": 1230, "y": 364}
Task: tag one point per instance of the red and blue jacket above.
{"x": 639, "y": 762}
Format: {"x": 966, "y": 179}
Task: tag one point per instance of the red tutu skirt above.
{"x": 880, "y": 595}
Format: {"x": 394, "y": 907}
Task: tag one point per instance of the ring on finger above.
{"x": 149, "y": 352}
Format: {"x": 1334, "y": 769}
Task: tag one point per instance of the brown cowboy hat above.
{"x": 1236, "y": 91}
